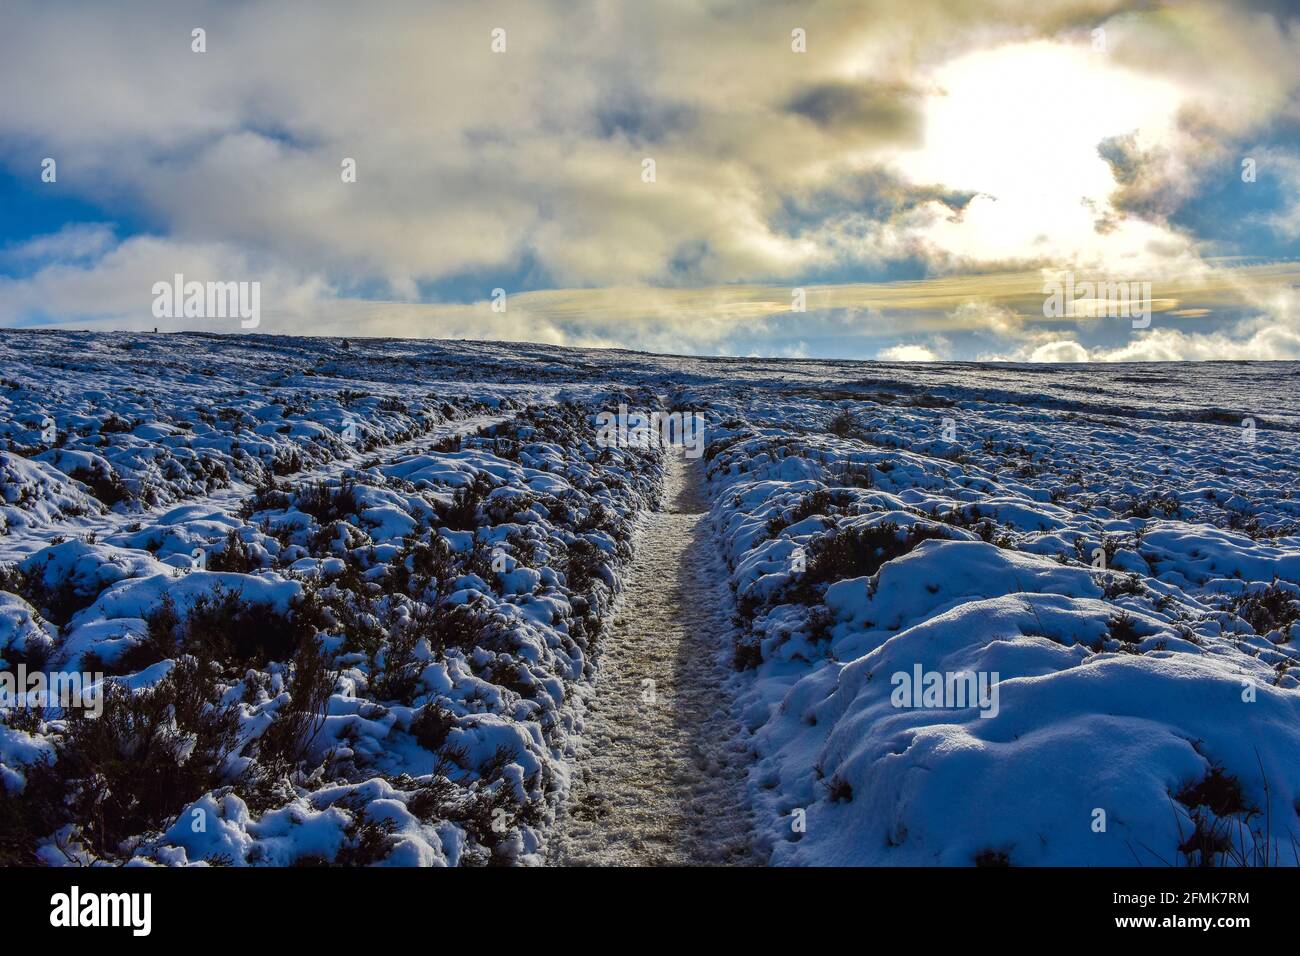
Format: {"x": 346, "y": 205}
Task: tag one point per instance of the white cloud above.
{"x": 1066, "y": 350}
{"x": 117, "y": 284}
{"x": 907, "y": 353}
{"x": 469, "y": 160}
{"x": 1172, "y": 345}
{"x": 75, "y": 242}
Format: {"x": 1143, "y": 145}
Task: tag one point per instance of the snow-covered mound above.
{"x": 980, "y": 634}
{"x": 36, "y": 495}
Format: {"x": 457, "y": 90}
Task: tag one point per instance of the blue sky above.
{"x": 919, "y": 171}
{"x": 30, "y": 209}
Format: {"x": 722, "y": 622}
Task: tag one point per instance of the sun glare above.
{"x": 1020, "y": 125}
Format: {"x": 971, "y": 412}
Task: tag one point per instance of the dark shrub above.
{"x": 843, "y": 424}
{"x": 132, "y": 769}
{"x": 584, "y": 565}
{"x": 30, "y": 815}
{"x": 431, "y": 725}
{"x": 106, "y": 485}
{"x": 462, "y": 514}
{"x": 56, "y": 602}
{"x": 1218, "y": 791}
{"x": 328, "y": 504}
{"x": 1163, "y": 504}
{"x": 287, "y": 462}
{"x": 222, "y": 626}
{"x": 284, "y": 743}
{"x": 857, "y": 552}
{"x": 366, "y": 841}
{"x": 747, "y": 655}
{"x": 819, "y": 502}
{"x": 1216, "y": 805}
{"x": 267, "y": 496}
{"x": 235, "y": 556}
{"x": 423, "y": 569}
{"x": 1122, "y": 628}
{"x": 1272, "y": 608}
{"x": 855, "y": 475}
{"x": 114, "y": 423}
{"x": 1115, "y": 585}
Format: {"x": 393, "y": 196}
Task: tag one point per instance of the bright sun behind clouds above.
{"x": 1020, "y": 125}
{"x": 912, "y": 174}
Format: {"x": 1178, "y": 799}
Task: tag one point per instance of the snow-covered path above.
{"x": 659, "y": 776}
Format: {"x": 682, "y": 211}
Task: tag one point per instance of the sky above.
{"x": 895, "y": 180}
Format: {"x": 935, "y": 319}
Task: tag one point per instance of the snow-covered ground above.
{"x": 343, "y": 597}
{"x": 350, "y": 600}
{"x": 1121, "y": 585}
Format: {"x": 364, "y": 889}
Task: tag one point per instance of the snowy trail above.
{"x": 20, "y": 543}
{"x": 659, "y": 780}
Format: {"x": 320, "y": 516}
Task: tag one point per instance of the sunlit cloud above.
{"x": 917, "y": 172}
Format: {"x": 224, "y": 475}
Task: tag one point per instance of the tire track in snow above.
{"x": 661, "y": 782}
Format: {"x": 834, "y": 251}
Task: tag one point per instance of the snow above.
{"x": 460, "y": 566}
{"x": 234, "y": 492}
{"x": 1119, "y": 687}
